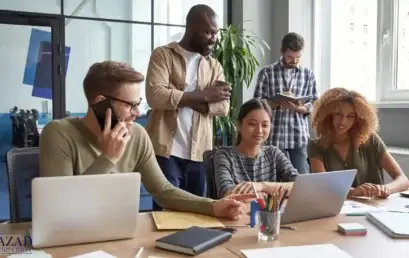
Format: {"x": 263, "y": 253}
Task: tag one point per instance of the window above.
{"x": 93, "y": 36}
{"x": 366, "y": 46}
{"x": 175, "y": 11}
{"x": 403, "y": 46}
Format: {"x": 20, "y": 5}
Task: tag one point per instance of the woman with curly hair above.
{"x": 346, "y": 126}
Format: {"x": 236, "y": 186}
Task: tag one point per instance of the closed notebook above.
{"x": 193, "y": 241}
{"x": 394, "y": 224}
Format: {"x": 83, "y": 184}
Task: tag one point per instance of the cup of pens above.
{"x": 268, "y": 219}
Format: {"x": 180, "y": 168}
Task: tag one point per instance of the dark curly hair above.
{"x": 366, "y": 122}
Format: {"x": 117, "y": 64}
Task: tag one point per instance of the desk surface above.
{"x": 375, "y": 244}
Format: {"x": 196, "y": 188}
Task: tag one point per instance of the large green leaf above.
{"x": 235, "y": 50}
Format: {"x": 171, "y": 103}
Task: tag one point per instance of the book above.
{"x": 174, "y": 220}
{"x": 280, "y": 96}
{"x": 193, "y": 241}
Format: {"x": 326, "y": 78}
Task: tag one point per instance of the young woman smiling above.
{"x": 346, "y": 126}
{"x": 250, "y": 161}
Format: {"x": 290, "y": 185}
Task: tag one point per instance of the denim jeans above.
{"x": 185, "y": 174}
{"x": 299, "y": 159}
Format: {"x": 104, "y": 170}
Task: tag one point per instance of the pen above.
{"x": 138, "y": 255}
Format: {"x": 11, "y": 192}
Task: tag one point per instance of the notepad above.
{"x": 352, "y": 229}
{"x": 173, "y": 220}
{"x": 304, "y": 251}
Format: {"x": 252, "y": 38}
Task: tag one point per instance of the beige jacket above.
{"x": 165, "y": 82}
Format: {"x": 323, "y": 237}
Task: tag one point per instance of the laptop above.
{"x": 83, "y": 209}
{"x": 317, "y": 195}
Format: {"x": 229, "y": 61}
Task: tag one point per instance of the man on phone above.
{"x": 289, "y": 129}
{"x": 81, "y": 146}
{"x": 185, "y": 88}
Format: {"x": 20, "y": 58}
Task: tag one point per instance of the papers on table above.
{"x": 356, "y": 208}
{"x": 31, "y": 254}
{"x": 397, "y": 205}
{"x": 173, "y": 220}
{"x": 304, "y": 251}
{"x": 96, "y": 254}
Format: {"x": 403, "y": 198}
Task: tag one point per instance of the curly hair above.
{"x": 366, "y": 122}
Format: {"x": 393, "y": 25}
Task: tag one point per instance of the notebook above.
{"x": 193, "y": 241}
{"x": 303, "y": 251}
{"x": 173, "y": 220}
{"x": 279, "y": 97}
{"x": 394, "y": 224}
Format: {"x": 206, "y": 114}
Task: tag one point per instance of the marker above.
{"x": 260, "y": 201}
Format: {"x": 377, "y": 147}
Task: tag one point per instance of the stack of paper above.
{"x": 304, "y": 251}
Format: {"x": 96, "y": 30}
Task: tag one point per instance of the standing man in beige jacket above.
{"x": 184, "y": 89}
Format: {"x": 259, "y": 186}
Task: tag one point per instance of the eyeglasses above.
{"x": 134, "y": 105}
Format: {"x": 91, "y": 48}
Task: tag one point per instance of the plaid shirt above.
{"x": 289, "y": 128}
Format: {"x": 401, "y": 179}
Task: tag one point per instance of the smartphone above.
{"x": 100, "y": 109}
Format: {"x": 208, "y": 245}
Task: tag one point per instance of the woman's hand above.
{"x": 246, "y": 188}
{"x": 370, "y": 190}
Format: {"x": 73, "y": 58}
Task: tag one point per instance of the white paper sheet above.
{"x": 96, "y": 254}
{"x": 31, "y": 254}
{"x": 354, "y": 207}
{"x": 305, "y": 251}
{"x": 397, "y": 205}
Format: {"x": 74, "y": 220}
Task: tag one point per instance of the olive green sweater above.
{"x": 68, "y": 148}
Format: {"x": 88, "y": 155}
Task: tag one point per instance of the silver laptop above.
{"x": 317, "y": 195}
{"x": 83, "y": 209}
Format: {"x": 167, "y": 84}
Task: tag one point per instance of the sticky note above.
{"x": 352, "y": 229}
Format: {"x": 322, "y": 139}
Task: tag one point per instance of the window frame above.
{"x": 387, "y": 94}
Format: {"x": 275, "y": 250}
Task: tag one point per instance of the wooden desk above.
{"x": 375, "y": 244}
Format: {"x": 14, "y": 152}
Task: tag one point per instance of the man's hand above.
{"x": 201, "y": 107}
{"x": 295, "y": 106}
{"x": 217, "y": 93}
{"x": 231, "y": 207}
{"x": 370, "y": 190}
{"x": 113, "y": 142}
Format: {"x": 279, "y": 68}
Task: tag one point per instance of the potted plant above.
{"x": 234, "y": 50}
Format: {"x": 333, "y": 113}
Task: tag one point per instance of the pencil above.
{"x": 282, "y": 198}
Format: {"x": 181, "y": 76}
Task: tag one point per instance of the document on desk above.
{"x": 173, "y": 220}
{"x": 31, "y": 254}
{"x": 304, "y": 251}
{"x": 96, "y": 254}
{"x": 357, "y": 208}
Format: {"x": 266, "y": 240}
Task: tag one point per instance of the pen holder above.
{"x": 268, "y": 223}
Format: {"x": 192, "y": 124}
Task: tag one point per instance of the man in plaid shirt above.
{"x": 289, "y": 130}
